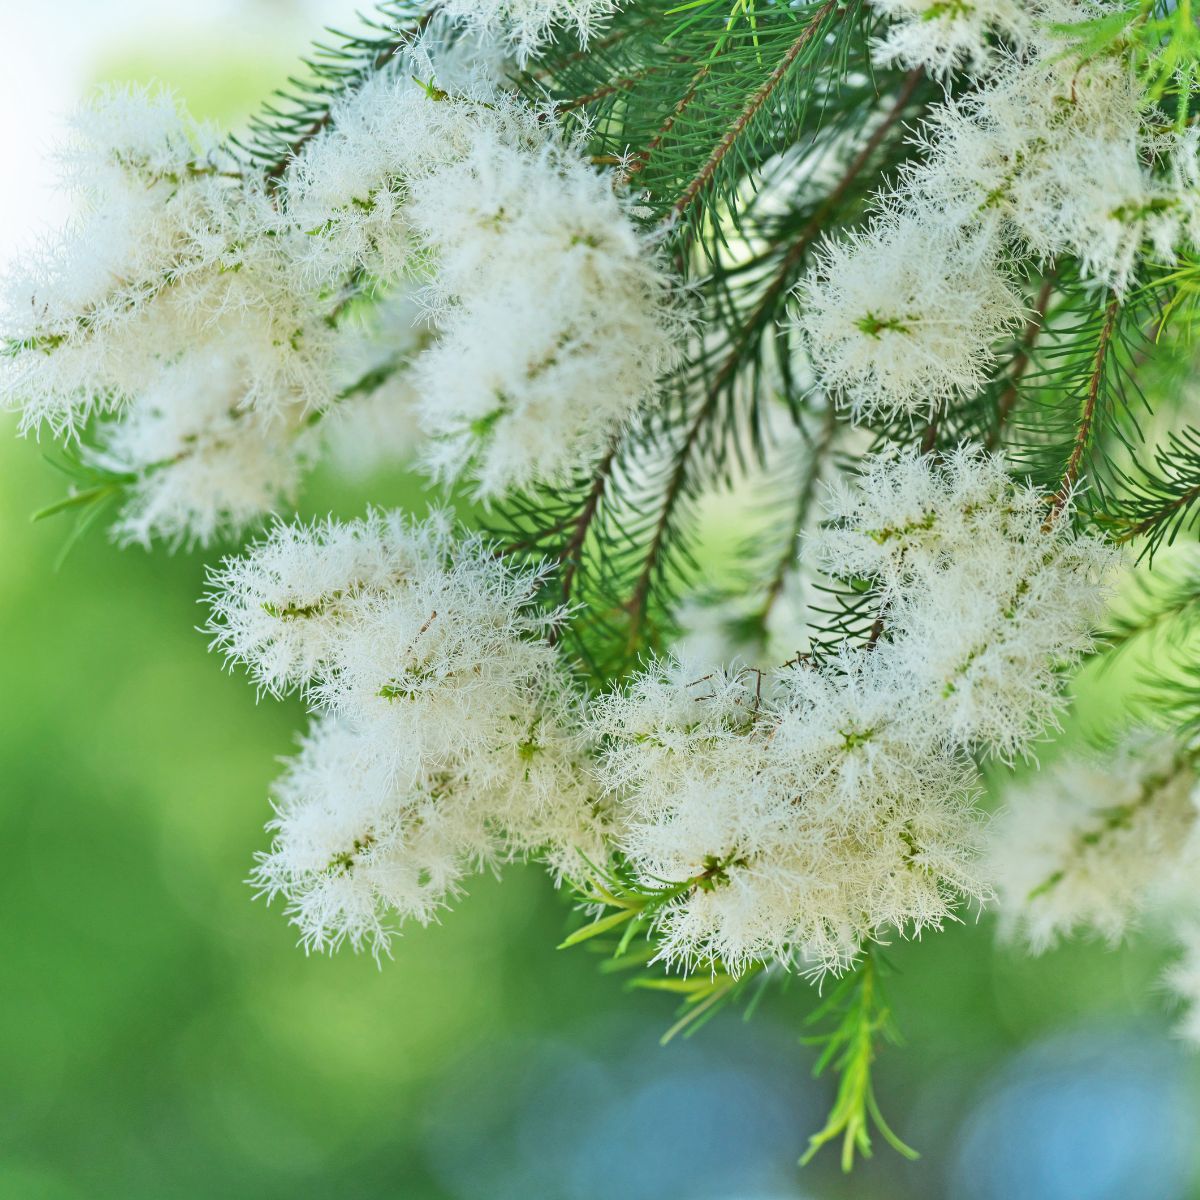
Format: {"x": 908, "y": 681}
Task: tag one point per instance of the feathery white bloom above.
{"x": 985, "y": 593}
{"x": 944, "y": 36}
{"x": 1087, "y": 843}
{"x": 1061, "y": 156}
{"x": 446, "y": 735}
{"x": 902, "y": 317}
{"x": 1182, "y": 979}
{"x": 279, "y": 607}
{"x": 524, "y": 26}
{"x": 151, "y": 201}
{"x": 351, "y": 849}
{"x": 442, "y": 665}
{"x": 203, "y": 464}
{"x": 556, "y": 313}
{"x": 356, "y": 852}
{"x": 805, "y": 818}
{"x": 348, "y": 192}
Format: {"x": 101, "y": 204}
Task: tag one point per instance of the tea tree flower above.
{"x": 805, "y": 819}
{"x": 525, "y": 25}
{"x": 1086, "y": 845}
{"x": 557, "y": 315}
{"x": 446, "y": 735}
{"x": 985, "y": 593}
{"x": 902, "y": 318}
{"x": 946, "y": 36}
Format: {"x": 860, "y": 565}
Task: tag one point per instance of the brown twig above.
{"x": 1020, "y": 363}
{"x": 643, "y": 156}
{"x": 569, "y": 555}
{"x": 760, "y": 97}
{"x": 609, "y": 89}
{"x": 1087, "y": 419}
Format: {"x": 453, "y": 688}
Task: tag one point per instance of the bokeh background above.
{"x": 161, "y": 1036}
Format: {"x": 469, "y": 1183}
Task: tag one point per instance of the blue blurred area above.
{"x": 1097, "y": 1114}
{"x": 161, "y": 1036}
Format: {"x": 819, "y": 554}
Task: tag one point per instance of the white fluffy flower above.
{"x": 902, "y": 318}
{"x": 201, "y": 464}
{"x": 446, "y": 734}
{"x": 985, "y": 593}
{"x": 799, "y": 816}
{"x": 524, "y": 26}
{"x": 351, "y": 850}
{"x": 280, "y": 607}
{"x": 1087, "y": 843}
{"x": 152, "y": 210}
{"x": 556, "y": 313}
{"x": 944, "y": 36}
{"x": 347, "y": 194}
{"x": 356, "y": 851}
{"x": 439, "y": 666}
{"x": 1063, "y": 156}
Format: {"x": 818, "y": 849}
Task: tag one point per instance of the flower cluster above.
{"x": 1102, "y": 841}
{"x": 556, "y": 314}
{"x": 816, "y": 807}
{"x": 921, "y": 338}
{"x": 1055, "y": 154}
{"x": 987, "y": 592}
{"x": 1062, "y": 156}
{"x": 169, "y": 251}
{"x": 945, "y": 36}
{"x": 445, "y": 733}
{"x": 523, "y": 26}
{"x": 547, "y": 314}
{"x": 807, "y": 822}
{"x": 1088, "y": 843}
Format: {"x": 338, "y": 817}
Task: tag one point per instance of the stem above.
{"x": 608, "y": 89}
{"x": 1087, "y": 419}
{"x": 569, "y": 555}
{"x": 760, "y": 97}
{"x": 642, "y": 158}
{"x": 1020, "y": 364}
{"x": 1161, "y": 514}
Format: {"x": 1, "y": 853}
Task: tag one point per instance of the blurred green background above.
{"x": 162, "y": 1036}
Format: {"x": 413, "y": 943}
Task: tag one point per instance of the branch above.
{"x": 760, "y": 97}
{"x": 1020, "y": 364}
{"x": 728, "y": 368}
{"x": 569, "y": 555}
{"x": 1083, "y": 433}
{"x": 609, "y": 89}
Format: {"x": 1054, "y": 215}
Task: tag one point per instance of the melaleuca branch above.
{"x": 1021, "y": 361}
{"x": 903, "y": 292}
{"x": 1085, "y": 427}
{"x": 708, "y": 169}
